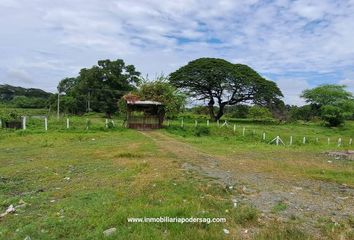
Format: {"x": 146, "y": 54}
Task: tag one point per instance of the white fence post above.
{"x": 234, "y": 127}
{"x": 291, "y": 140}
{"x": 304, "y": 140}
{"x": 243, "y": 131}
{"x": 106, "y": 124}
{"x": 277, "y": 140}
{"x": 46, "y": 123}
{"x": 208, "y": 122}
{"x": 67, "y": 123}
{"x": 339, "y": 142}
{"x": 264, "y": 136}
{"x": 24, "y": 122}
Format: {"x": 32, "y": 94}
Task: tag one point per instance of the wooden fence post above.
{"x": 339, "y": 142}
{"x": 234, "y": 127}
{"x": 304, "y": 140}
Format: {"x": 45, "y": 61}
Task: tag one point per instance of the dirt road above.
{"x": 307, "y": 200}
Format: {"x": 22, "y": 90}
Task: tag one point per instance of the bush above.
{"x": 201, "y": 131}
{"x": 258, "y": 112}
{"x": 332, "y": 115}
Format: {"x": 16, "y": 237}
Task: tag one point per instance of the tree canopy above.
{"x": 98, "y": 88}
{"x": 334, "y": 103}
{"x": 220, "y": 82}
{"x": 159, "y": 90}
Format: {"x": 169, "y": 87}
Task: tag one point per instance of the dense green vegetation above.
{"x": 19, "y": 97}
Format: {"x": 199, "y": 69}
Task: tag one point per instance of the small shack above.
{"x": 144, "y": 115}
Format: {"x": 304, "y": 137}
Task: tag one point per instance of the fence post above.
{"x": 46, "y": 123}
{"x": 0, "y": 123}
{"x": 304, "y": 140}
{"x": 328, "y": 141}
{"x": 234, "y": 127}
{"x": 67, "y": 123}
{"x": 291, "y": 140}
{"x": 113, "y": 124}
{"x": 243, "y": 131}
{"x": 208, "y": 122}
{"x": 264, "y": 136}
{"x": 24, "y": 122}
{"x": 106, "y": 124}
{"x": 277, "y": 141}
{"x": 350, "y": 141}
{"x": 339, "y": 142}
{"x": 182, "y": 123}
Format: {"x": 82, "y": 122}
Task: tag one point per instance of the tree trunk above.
{"x": 220, "y": 112}
{"x": 211, "y": 110}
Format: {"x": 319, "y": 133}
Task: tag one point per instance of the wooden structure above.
{"x": 145, "y": 115}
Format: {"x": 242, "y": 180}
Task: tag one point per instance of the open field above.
{"x": 76, "y": 183}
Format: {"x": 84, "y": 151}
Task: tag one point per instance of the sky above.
{"x": 298, "y": 44}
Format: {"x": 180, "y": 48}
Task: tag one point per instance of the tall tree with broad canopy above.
{"x": 223, "y": 83}
{"x": 98, "y": 88}
{"x": 334, "y": 103}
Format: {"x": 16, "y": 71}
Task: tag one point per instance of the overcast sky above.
{"x": 299, "y": 44}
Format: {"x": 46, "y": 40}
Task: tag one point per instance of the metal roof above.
{"x": 144, "y": 103}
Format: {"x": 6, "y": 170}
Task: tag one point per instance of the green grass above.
{"x": 279, "y": 207}
{"x": 79, "y": 182}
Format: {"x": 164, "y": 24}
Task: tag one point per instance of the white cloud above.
{"x": 349, "y": 83}
{"x": 54, "y": 39}
{"x": 292, "y": 89}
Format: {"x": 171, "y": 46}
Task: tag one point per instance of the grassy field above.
{"x": 75, "y": 183}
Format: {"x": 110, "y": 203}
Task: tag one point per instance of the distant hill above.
{"x": 8, "y": 93}
{"x": 20, "y": 97}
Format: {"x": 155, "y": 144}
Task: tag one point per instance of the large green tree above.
{"x": 334, "y": 103}
{"x": 220, "y": 82}
{"x": 98, "y": 88}
{"x": 162, "y": 91}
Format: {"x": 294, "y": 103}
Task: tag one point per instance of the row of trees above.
{"x": 221, "y": 85}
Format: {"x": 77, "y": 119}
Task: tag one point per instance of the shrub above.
{"x": 332, "y": 115}
{"x": 201, "y": 131}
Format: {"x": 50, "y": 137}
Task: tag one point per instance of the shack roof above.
{"x": 143, "y": 103}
